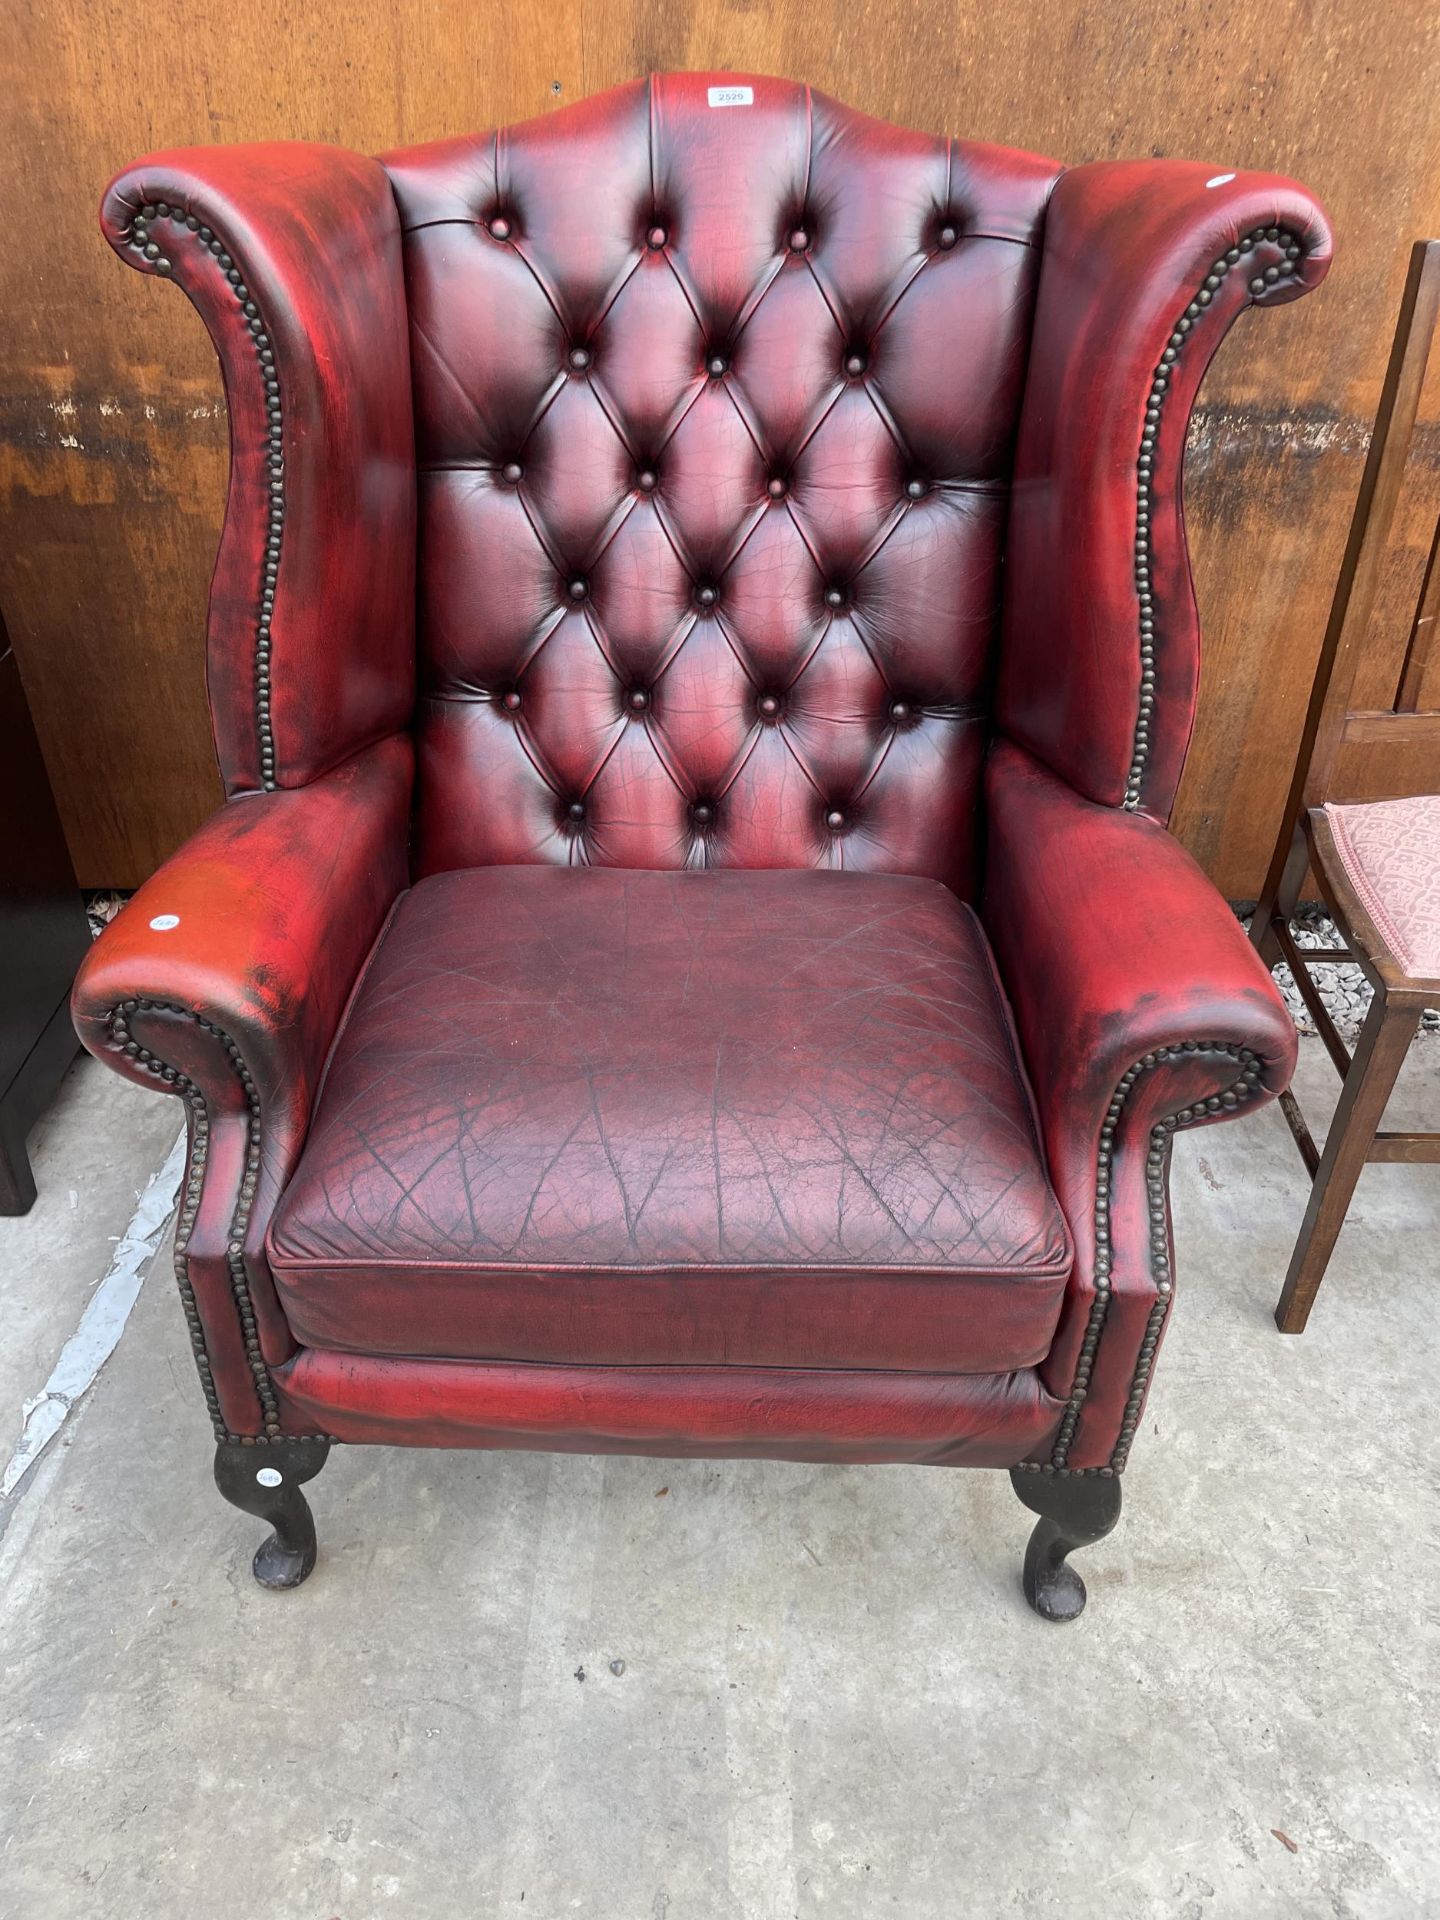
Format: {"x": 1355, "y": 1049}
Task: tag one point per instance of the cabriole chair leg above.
{"x": 266, "y": 1481}
{"x": 1076, "y": 1510}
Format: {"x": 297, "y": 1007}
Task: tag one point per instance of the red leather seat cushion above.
{"x": 612, "y": 1116}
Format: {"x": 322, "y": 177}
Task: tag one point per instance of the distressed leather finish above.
{"x": 1146, "y": 267}
{"x": 291, "y": 253}
{"x": 770, "y": 1119}
{"x": 1146, "y": 967}
{"x": 714, "y": 419}
{"x": 231, "y": 966}
{"x": 731, "y": 1413}
{"x": 705, "y": 469}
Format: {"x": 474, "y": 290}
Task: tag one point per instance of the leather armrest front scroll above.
{"x": 1146, "y": 264}
{"x": 1141, "y": 1009}
{"x": 291, "y": 253}
{"x": 224, "y": 981}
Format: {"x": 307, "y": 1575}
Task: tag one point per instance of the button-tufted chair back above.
{"x": 716, "y": 390}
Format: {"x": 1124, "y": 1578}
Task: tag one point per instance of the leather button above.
{"x": 769, "y": 705}
{"x": 706, "y": 595}
{"x": 647, "y": 479}
{"x": 576, "y": 810}
{"x": 578, "y": 589}
{"x": 899, "y": 712}
{"x": 856, "y": 363}
{"x": 799, "y": 240}
{"x": 656, "y": 239}
{"x": 499, "y": 228}
{"x": 835, "y": 820}
{"x": 947, "y": 237}
{"x": 702, "y": 813}
{"x": 639, "y": 700}
{"x": 716, "y": 365}
{"x": 511, "y": 701}
{"x": 513, "y": 472}
{"x": 579, "y": 358}
{"x": 834, "y": 596}
{"x": 916, "y": 489}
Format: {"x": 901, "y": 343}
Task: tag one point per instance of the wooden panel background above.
{"x": 112, "y": 428}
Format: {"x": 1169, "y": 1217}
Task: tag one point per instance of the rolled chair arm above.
{"x": 1146, "y": 265}
{"x": 224, "y": 981}
{"x": 1141, "y": 1009}
{"x": 291, "y": 253}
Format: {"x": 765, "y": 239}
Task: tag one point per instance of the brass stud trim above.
{"x": 1293, "y": 252}
{"x": 1157, "y": 1165}
{"x": 1064, "y": 1473}
{"x": 190, "y": 231}
{"x": 199, "y": 1145}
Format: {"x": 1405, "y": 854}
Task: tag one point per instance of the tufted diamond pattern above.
{"x": 714, "y": 412}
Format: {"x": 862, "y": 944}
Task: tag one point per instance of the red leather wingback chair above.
{"x": 701, "y": 653}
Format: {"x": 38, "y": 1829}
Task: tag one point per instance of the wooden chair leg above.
{"x": 1280, "y": 896}
{"x": 1384, "y": 1041}
{"x": 17, "y": 1181}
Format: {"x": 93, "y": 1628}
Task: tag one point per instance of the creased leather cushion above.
{"x": 612, "y": 1116}
{"x": 714, "y": 413}
{"x": 724, "y": 1413}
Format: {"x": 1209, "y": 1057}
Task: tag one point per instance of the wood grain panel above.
{"x": 112, "y": 432}
{"x": 113, "y": 443}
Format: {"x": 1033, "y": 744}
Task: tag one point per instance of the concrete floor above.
{"x": 833, "y": 1700}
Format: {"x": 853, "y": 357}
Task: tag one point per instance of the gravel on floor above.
{"x": 1344, "y": 990}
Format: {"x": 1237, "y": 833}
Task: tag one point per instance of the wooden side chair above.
{"x": 1377, "y": 861}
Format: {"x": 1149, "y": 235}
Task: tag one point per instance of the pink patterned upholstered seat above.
{"x": 1391, "y": 852}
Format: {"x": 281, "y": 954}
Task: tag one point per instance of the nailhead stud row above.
{"x": 1145, "y": 465}
{"x": 1157, "y": 1166}
{"x": 190, "y": 1205}
{"x": 190, "y": 1200}
{"x": 1157, "y": 1162}
{"x": 190, "y": 231}
{"x": 1063, "y": 1473}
